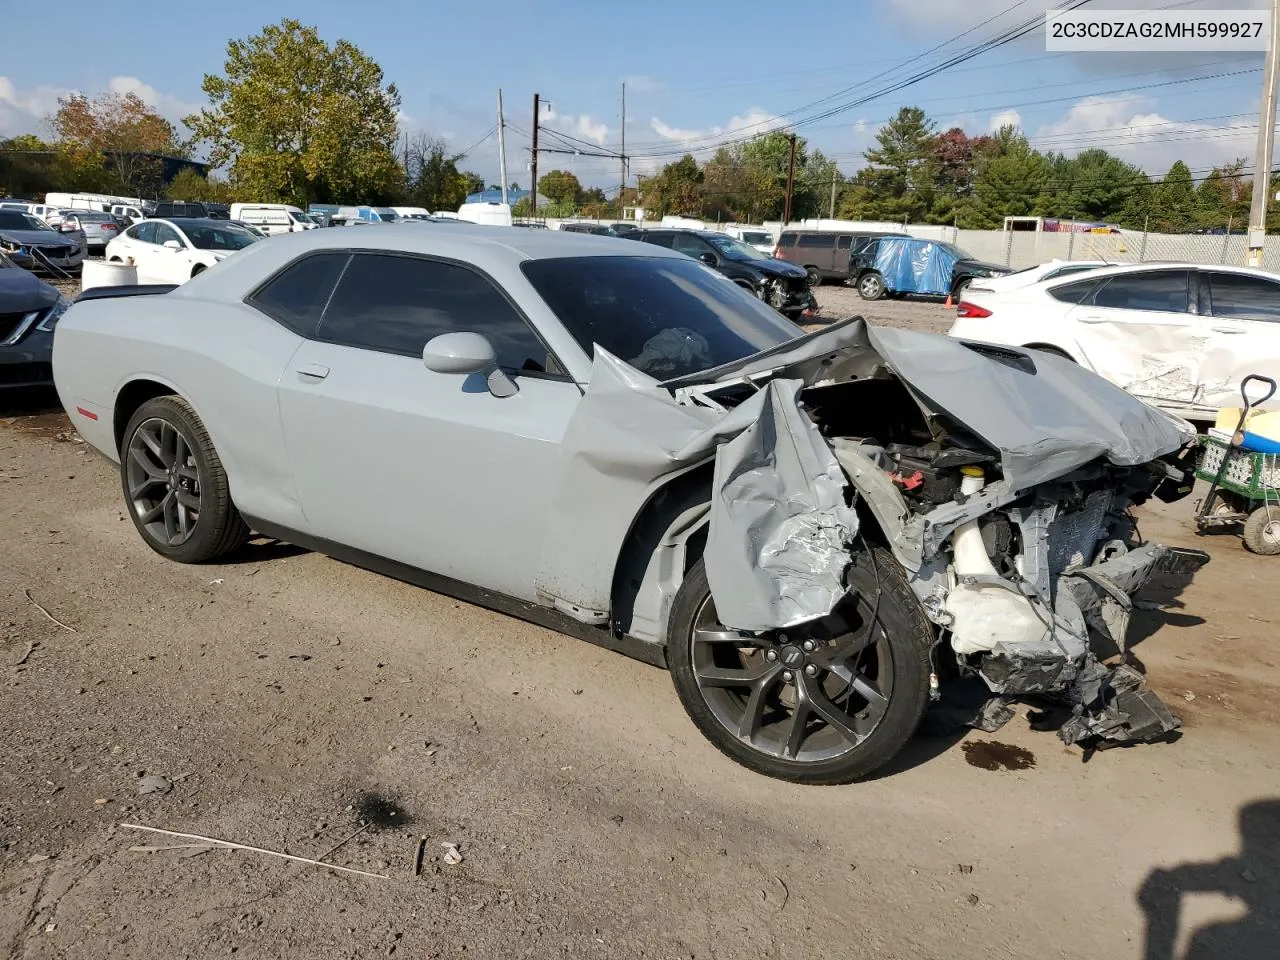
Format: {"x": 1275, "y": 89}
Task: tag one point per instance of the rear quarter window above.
{"x": 1078, "y": 292}
{"x": 296, "y": 296}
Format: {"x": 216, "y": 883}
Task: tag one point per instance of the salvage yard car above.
{"x": 172, "y": 251}
{"x": 29, "y": 309}
{"x": 34, "y": 245}
{"x": 1180, "y": 336}
{"x": 781, "y": 285}
{"x": 611, "y": 440}
{"x": 898, "y": 266}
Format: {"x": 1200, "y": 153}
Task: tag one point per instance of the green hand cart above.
{"x": 1244, "y": 485}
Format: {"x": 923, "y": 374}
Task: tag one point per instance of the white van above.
{"x": 488, "y": 214}
{"x": 127, "y": 212}
{"x": 41, "y": 210}
{"x": 412, "y": 213}
{"x": 272, "y": 218}
{"x": 757, "y": 237}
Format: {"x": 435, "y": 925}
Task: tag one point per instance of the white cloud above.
{"x": 25, "y": 111}
{"x": 1005, "y": 118}
{"x": 639, "y": 83}
{"x": 755, "y": 120}
{"x": 582, "y": 126}
{"x": 167, "y": 105}
{"x": 1131, "y": 128}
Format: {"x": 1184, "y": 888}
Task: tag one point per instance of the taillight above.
{"x": 972, "y": 311}
{"x": 109, "y": 226}
{"x": 780, "y": 254}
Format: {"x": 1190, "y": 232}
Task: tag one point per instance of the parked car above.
{"x": 177, "y": 249}
{"x": 256, "y": 231}
{"x": 599, "y": 229}
{"x": 127, "y": 214}
{"x": 897, "y": 266}
{"x": 29, "y": 309}
{"x": 192, "y": 210}
{"x": 823, "y": 254}
{"x": 273, "y": 218}
{"x": 628, "y": 230}
{"x": 757, "y": 237}
{"x": 34, "y": 245}
{"x": 1179, "y": 336}
{"x": 40, "y": 210}
{"x": 99, "y": 228}
{"x": 779, "y": 284}
{"x": 613, "y": 441}
{"x": 1041, "y": 273}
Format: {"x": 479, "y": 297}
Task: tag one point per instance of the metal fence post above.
{"x": 1226, "y": 240}
{"x": 1142, "y": 250}
{"x": 1008, "y": 246}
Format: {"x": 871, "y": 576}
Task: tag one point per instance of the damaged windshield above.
{"x": 666, "y": 316}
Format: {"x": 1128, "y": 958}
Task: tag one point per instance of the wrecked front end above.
{"x": 790, "y": 296}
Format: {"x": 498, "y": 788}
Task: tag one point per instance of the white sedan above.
{"x": 1179, "y": 336}
{"x": 175, "y": 250}
{"x": 1040, "y": 273}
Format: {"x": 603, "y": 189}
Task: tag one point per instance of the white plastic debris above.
{"x": 452, "y": 855}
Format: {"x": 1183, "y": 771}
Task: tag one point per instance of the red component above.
{"x": 967, "y": 309}
{"x": 780, "y": 254}
{"x": 87, "y": 414}
{"x": 109, "y": 226}
{"x": 910, "y": 482}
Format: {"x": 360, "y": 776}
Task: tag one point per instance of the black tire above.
{"x": 198, "y": 269}
{"x": 813, "y": 276}
{"x": 905, "y": 635}
{"x": 960, "y": 289}
{"x": 217, "y": 528}
{"x": 871, "y": 286}
{"x": 1262, "y": 531}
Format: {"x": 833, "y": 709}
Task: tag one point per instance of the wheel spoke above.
{"x": 170, "y": 505}
{"x": 187, "y": 499}
{"x": 715, "y": 676}
{"x": 152, "y": 443}
{"x": 753, "y": 714}
{"x": 843, "y": 724}
{"x": 152, "y": 470}
{"x": 147, "y": 482}
{"x": 157, "y": 510}
{"x": 848, "y": 647}
{"x": 718, "y": 635}
{"x": 184, "y": 518}
{"x": 799, "y": 720}
{"x": 187, "y": 471}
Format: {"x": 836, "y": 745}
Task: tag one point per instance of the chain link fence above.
{"x": 1021, "y": 249}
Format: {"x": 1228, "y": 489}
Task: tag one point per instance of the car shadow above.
{"x": 1251, "y": 878}
{"x": 262, "y": 550}
{"x": 29, "y": 401}
{"x": 945, "y": 723}
{"x": 1164, "y": 591}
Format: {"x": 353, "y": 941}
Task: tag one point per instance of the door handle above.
{"x": 1092, "y": 319}
{"x": 1231, "y": 330}
{"x": 312, "y": 372}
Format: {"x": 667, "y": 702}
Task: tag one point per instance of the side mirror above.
{"x": 172, "y": 245}
{"x": 468, "y": 353}
{"x": 710, "y": 259}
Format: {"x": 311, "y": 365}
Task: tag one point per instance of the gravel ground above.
{"x": 304, "y": 706}
{"x": 837, "y": 302}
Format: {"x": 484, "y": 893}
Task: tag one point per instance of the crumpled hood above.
{"x": 22, "y": 292}
{"x": 778, "y": 268}
{"x": 39, "y": 238}
{"x": 1045, "y": 416}
{"x": 995, "y": 269}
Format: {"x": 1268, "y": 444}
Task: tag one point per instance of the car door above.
{"x": 840, "y": 263}
{"x": 169, "y": 265}
{"x": 1243, "y": 333}
{"x": 427, "y": 469}
{"x": 1139, "y": 331}
{"x": 138, "y": 243}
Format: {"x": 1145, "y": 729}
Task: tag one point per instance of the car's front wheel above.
{"x": 824, "y": 703}
{"x": 871, "y": 286}
{"x": 813, "y": 276}
{"x": 175, "y": 486}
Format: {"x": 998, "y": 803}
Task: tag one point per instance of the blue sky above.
{"x": 696, "y": 72}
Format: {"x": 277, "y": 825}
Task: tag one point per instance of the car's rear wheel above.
{"x": 175, "y": 486}
{"x": 871, "y": 286}
{"x": 813, "y": 276}
{"x": 961, "y": 288}
{"x": 825, "y": 703}
{"x": 198, "y": 269}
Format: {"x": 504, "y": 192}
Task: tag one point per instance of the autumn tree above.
{"x": 119, "y": 134}
{"x": 188, "y": 184}
{"x": 431, "y": 177}
{"x": 675, "y": 189}
{"x": 1009, "y": 181}
{"x": 298, "y": 119}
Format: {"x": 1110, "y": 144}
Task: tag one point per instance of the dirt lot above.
{"x": 296, "y": 703}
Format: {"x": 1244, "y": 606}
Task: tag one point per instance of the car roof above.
{"x": 191, "y": 221}
{"x": 1153, "y": 265}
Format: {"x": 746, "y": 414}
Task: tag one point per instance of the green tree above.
{"x": 190, "y": 185}
{"x": 676, "y": 189}
{"x": 901, "y": 181}
{"x": 431, "y": 176}
{"x": 560, "y": 187}
{"x": 1173, "y": 201}
{"x": 298, "y": 119}
{"x": 1092, "y": 185}
{"x": 29, "y": 167}
{"x": 1223, "y": 198}
{"x": 1009, "y": 180}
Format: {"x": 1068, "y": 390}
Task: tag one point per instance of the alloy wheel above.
{"x": 163, "y": 478}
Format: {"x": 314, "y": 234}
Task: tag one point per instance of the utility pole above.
{"x": 791, "y": 177}
{"x": 1266, "y": 143}
{"x": 533, "y": 196}
{"x": 502, "y": 150}
{"x": 622, "y": 185}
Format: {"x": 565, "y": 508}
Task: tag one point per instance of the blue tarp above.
{"x": 909, "y": 265}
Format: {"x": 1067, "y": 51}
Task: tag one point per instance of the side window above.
{"x": 787, "y": 240}
{"x": 661, "y": 239}
{"x": 1077, "y": 292}
{"x": 145, "y": 231}
{"x": 395, "y": 304}
{"x": 1164, "y": 291}
{"x": 1240, "y": 295}
{"x": 843, "y": 243}
{"x": 296, "y": 296}
{"x": 691, "y": 245}
{"x": 815, "y": 240}
{"x": 164, "y": 233}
